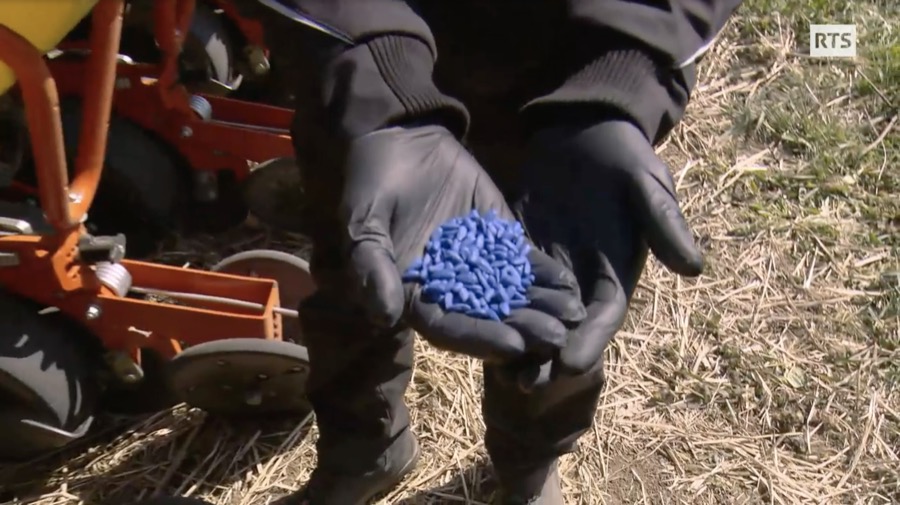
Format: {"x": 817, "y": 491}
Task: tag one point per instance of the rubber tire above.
{"x": 141, "y": 192}
{"x": 209, "y": 34}
{"x": 208, "y": 37}
{"x": 45, "y": 365}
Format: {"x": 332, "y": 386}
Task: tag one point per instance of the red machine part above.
{"x": 216, "y": 134}
{"x": 48, "y": 268}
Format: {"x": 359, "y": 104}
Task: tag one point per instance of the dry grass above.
{"x": 771, "y": 379}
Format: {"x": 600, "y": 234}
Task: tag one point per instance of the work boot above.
{"x": 329, "y": 487}
{"x": 535, "y": 485}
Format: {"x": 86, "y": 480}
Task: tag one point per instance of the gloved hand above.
{"x": 597, "y": 197}
{"x": 399, "y": 185}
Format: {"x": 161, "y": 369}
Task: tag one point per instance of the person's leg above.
{"x": 356, "y": 385}
{"x": 358, "y": 373}
{"x": 527, "y": 432}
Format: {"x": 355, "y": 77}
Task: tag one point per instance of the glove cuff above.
{"x": 621, "y": 82}
{"x": 406, "y": 65}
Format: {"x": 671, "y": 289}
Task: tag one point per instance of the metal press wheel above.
{"x": 295, "y": 283}
{"x": 242, "y": 376}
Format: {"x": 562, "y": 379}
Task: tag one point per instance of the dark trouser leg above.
{"x": 356, "y": 385}
{"x": 527, "y": 432}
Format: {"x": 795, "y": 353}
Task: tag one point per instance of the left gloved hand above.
{"x": 597, "y": 197}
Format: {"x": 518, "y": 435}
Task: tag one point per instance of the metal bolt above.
{"x": 296, "y": 369}
{"x": 74, "y": 197}
{"x": 262, "y": 376}
{"x": 130, "y": 378}
{"x": 93, "y": 312}
{"x": 221, "y": 362}
{"x": 226, "y": 387}
{"x": 186, "y": 131}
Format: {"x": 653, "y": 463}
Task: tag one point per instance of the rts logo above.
{"x": 832, "y": 41}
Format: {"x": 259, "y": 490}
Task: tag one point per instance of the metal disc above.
{"x": 242, "y": 376}
{"x": 295, "y": 283}
{"x": 274, "y": 194}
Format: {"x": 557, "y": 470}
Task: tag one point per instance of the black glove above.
{"x": 399, "y": 185}
{"x": 597, "y": 197}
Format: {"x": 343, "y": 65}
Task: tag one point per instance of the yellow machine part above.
{"x": 44, "y": 23}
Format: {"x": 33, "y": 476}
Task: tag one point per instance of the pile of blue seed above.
{"x": 476, "y": 265}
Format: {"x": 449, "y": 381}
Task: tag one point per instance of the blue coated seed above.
{"x": 518, "y": 304}
{"x": 467, "y": 278}
{"x": 475, "y": 264}
{"x": 443, "y": 274}
{"x": 413, "y": 276}
{"x": 452, "y": 256}
{"x": 432, "y": 292}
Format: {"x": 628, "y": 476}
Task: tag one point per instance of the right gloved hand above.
{"x": 399, "y": 184}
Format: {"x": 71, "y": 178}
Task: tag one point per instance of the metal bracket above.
{"x": 101, "y": 249}
{"x": 123, "y": 367}
{"x": 8, "y": 259}
{"x": 13, "y": 226}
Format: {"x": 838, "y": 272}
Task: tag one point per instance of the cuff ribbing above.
{"x": 623, "y": 82}
{"x": 406, "y": 65}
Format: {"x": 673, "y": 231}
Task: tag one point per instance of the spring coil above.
{"x": 201, "y": 107}
{"x": 115, "y": 277}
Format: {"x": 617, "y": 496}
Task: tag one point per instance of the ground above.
{"x": 770, "y": 379}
